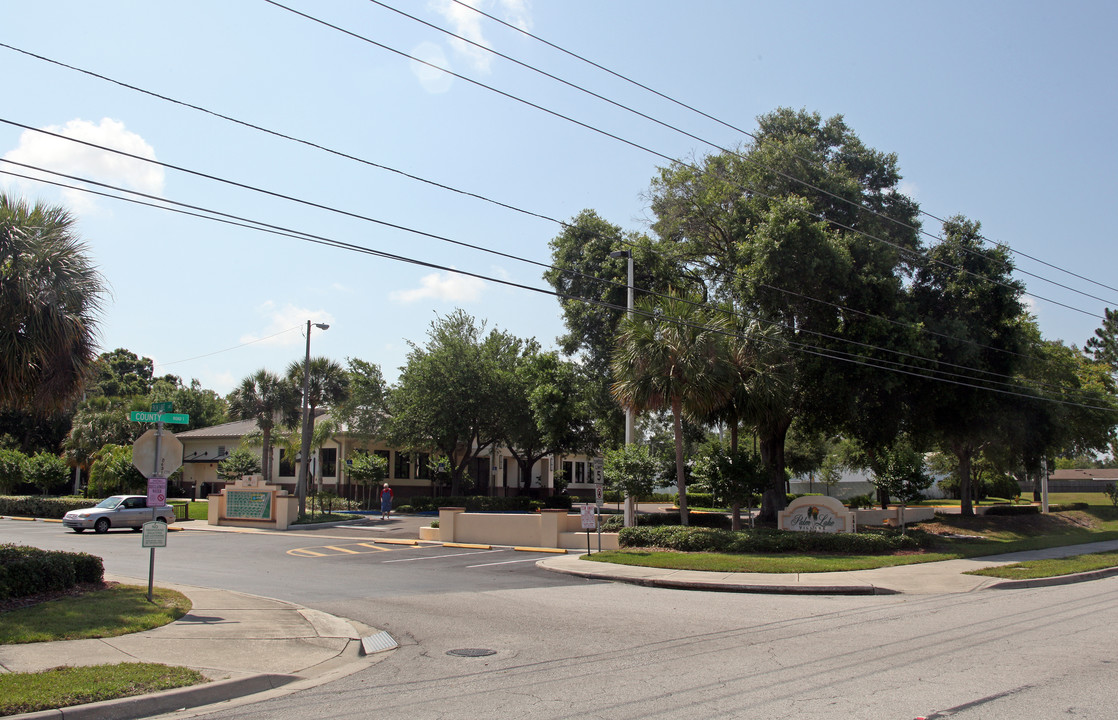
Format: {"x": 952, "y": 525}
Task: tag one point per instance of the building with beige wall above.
{"x": 495, "y": 473}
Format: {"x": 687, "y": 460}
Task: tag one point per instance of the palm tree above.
{"x": 328, "y": 384}
{"x": 268, "y": 399}
{"x": 50, "y": 300}
{"x": 670, "y": 355}
{"x": 760, "y": 384}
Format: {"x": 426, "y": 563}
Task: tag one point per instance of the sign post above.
{"x": 589, "y": 522}
{"x": 154, "y": 535}
{"x": 157, "y": 457}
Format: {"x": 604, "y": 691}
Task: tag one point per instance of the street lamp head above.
{"x": 322, "y": 326}
{"x": 621, "y": 254}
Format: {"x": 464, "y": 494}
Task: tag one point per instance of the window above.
{"x": 220, "y": 450}
{"x": 402, "y": 469}
{"x": 286, "y": 468}
{"x": 422, "y": 472}
{"x": 574, "y": 472}
{"x": 329, "y": 459}
{"x": 387, "y": 459}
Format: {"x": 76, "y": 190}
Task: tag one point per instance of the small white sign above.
{"x": 154, "y": 535}
{"x": 599, "y": 494}
{"x": 589, "y": 522}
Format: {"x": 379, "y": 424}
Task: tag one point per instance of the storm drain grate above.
{"x": 471, "y": 652}
{"x": 378, "y": 643}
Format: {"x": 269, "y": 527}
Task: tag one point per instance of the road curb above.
{"x": 166, "y": 701}
{"x": 726, "y": 587}
{"x": 1054, "y": 581}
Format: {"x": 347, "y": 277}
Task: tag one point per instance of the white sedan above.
{"x": 118, "y": 511}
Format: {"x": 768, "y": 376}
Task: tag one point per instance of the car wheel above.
{"x": 79, "y": 529}
{"x": 137, "y": 529}
{"x": 101, "y": 526}
{"x": 161, "y": 519}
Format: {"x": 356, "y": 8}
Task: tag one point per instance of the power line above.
{"x": 730, "y": 126}
{"x": 369, "y": 219}
{"x": 418, "y": 178}
{"x": 218, "y": 216}
{"x": 618, "y": 138}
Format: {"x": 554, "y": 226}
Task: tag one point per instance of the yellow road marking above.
{"x": 305, "y": 553}
{"x": 396, "y": 542}
{"x": 540, "y": 549}
{"x": 373, "y": 547}
{"x": 341, "y": 549}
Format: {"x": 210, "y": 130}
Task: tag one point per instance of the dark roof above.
{"x": 1100, "y": 474}
{"x": 236, "y": 429}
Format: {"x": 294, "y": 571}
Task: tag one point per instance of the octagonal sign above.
{"x": 170, "y": 455}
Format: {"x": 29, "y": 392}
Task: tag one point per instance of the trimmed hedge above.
{"x": 484, "y": 503}
{"x": 27, "y": 570}
{"x": 768, "y": 540}
{"x": 1013, "y": 510}
{"x": 41, "y": 507}
{"x": 1069, "y": 506}
{"x": 615, "y": 522}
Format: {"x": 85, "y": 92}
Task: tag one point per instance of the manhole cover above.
{"x": 471, "y": 652}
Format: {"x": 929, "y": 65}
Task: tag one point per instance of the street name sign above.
{"x": 163, "y": 407}
{"x": 163, "y": 417}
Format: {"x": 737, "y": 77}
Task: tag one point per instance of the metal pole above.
{"x": 305, "y": 440}
{"x": 630, "y": 504}
{"x": 151, "y": 571}
{"x": 156, "y": 472}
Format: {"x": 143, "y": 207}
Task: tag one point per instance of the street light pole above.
{"x": 305, "y": 435}
{"x": 630, "y": 505}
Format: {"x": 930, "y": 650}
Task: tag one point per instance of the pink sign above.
{"x": 157, "y": 492}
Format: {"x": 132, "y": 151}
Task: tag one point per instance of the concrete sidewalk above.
{"x": 245, "y": 644}
{"x": 921, "y": 578}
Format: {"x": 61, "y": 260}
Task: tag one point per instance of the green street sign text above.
{"x": 163, "y": 407}
{"x": 168, "y": 418}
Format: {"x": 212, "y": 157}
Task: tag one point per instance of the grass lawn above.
{"x": 1050, "y": 568}
{"x": 114, "y": 610}
{"x": 65, "y": 686}
{"x": 105, "y": 612}
{"x": 198, "y": 510}
{"x": 955, "y": 537}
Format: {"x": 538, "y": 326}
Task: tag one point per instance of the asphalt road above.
{"x": 570, "y": 648}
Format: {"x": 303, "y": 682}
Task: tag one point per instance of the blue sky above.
{"x": 1003, "y": 111}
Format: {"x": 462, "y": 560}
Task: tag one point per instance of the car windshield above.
{"x": 109, "y": 503}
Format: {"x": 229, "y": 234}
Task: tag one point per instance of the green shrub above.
{"x": 46, "y": 471}
{"x": 406, "y": 509}
{"x": 40, "y": 507}
{"x": 1013, "y": 510}
{"x": 697, "y": 499}
{"x": 1069, "y": 506}
{"x": 1111, "y": 491}
{"x": 860, "y": 501}
{"x": 1002, "y": 486}
{"x": 768, "y": 540}
{"x": 12, "y": 463}
{"x": 28, "y": 571}
{"x": 614, "y": 522}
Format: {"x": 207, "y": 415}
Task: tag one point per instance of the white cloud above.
{"x": 433, "y": 81}
{"x": 469, "y": 24}
{"x": 442, "y": 286}
{"x": 73, "y": 158}
{"x": 283, "y": 324}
